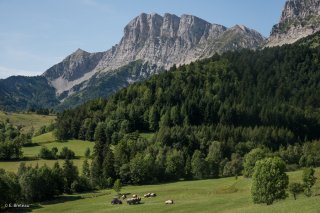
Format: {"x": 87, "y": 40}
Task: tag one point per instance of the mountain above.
{"x": 153, "y": 41}
{"x": 72, "y": 70}
{"x": 20, "y": 93}
{"x": 299, "y": 19}
{"x": 105, "y": 84}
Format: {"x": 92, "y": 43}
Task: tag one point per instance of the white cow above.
{"x": 169, "y": 202}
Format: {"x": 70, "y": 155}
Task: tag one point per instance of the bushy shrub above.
{"x": 45, "y": 153}
{"x": 66, "y": 153}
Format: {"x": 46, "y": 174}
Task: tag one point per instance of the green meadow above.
{"x": 27, "y": 120}
{"x": 30, "y": 153}
{"x": 219, "y": 195}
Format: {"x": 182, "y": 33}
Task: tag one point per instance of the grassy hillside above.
{"x": 220, "y": 195}
{"x": 20, "y": 93}
{"x": 27, "y": 120}
{"x": 48, "y": 140}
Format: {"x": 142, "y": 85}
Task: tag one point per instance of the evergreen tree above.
{"x": 70, "y": 174}
{"x": 57, "y": 172}
{"x": 198, "y": 165}
{"x": 85, "y": 168}
{"x": 174, "y": 165}
{"x": 108, "y": 164}
{"x": 214, "y": 158}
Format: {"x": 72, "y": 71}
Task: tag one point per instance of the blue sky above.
{"x": 36, "y": 34}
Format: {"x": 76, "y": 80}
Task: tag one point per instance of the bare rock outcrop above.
{"x": 300, "y": 18}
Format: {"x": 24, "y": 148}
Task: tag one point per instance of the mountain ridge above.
{"x": 160, "y": 40}
{"x": 152, "y": 43}
{"x": 299, "y": 19}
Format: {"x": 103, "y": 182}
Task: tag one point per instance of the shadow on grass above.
{"x": 31, "y": 145}
{"x": 22, "y": 159}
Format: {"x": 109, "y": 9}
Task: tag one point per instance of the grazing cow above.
{"x": 150, "y": 195}
{"x": 116, "y": 201}
{"x": 134, "y": 200}
{"x": 134, "y": 196}
{"x": 169, "y": 202}
{"x": 147, "y": 195}
{"x": 124, "y": 197}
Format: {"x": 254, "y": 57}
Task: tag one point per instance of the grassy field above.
{"x": 44, "y": 138}
{"x": 48, "y": 140}
{"x": 220, "y": 195}
{"x": 27, "y": 120}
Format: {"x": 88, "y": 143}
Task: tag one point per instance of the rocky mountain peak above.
{"x": 299, "y": 19}
{"x": 241, "y": 27}
{"x": 79, "y": 51}
{"x": 73, "y": 69}
{"x": 77, "y": 56}
{"x": 300, "y": 9}
{"x": 157, "y": 40}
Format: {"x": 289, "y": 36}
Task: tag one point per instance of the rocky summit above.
{"x": 299, "y": 19}
{"x": 158, "y": 40}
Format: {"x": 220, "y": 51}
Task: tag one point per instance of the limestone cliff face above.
{"x": 73, "y": 70}
{"x": 169, "y": 40}
{"x": 299, "y": 19}
{"x": 157, "y": 40}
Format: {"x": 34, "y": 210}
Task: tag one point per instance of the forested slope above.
{"x": 241, "y": 100}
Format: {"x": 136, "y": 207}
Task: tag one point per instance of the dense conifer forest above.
{"x": 206, "y": 117}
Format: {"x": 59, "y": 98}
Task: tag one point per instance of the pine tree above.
{"x": 70, "y": 173}
{"x": 108, "y": 164}
{"x": 86, "y": 168}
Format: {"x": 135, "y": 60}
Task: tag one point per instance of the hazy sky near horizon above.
{"x": 36, "y": 34}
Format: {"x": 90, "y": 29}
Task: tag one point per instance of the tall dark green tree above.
{"x": 214, "y": 157}
{"x": 198, "y": 165}
{"x": 174, "y": 165}
{"x": 85, "y": 168}
{"x": 108, "y": 164}
{"x": 70, "y": 174}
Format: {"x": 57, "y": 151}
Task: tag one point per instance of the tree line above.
{"x": 11, "y": 141}
{"x": 34, "y": 184}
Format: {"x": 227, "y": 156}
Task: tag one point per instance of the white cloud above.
{"x": 6, "y": 72}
